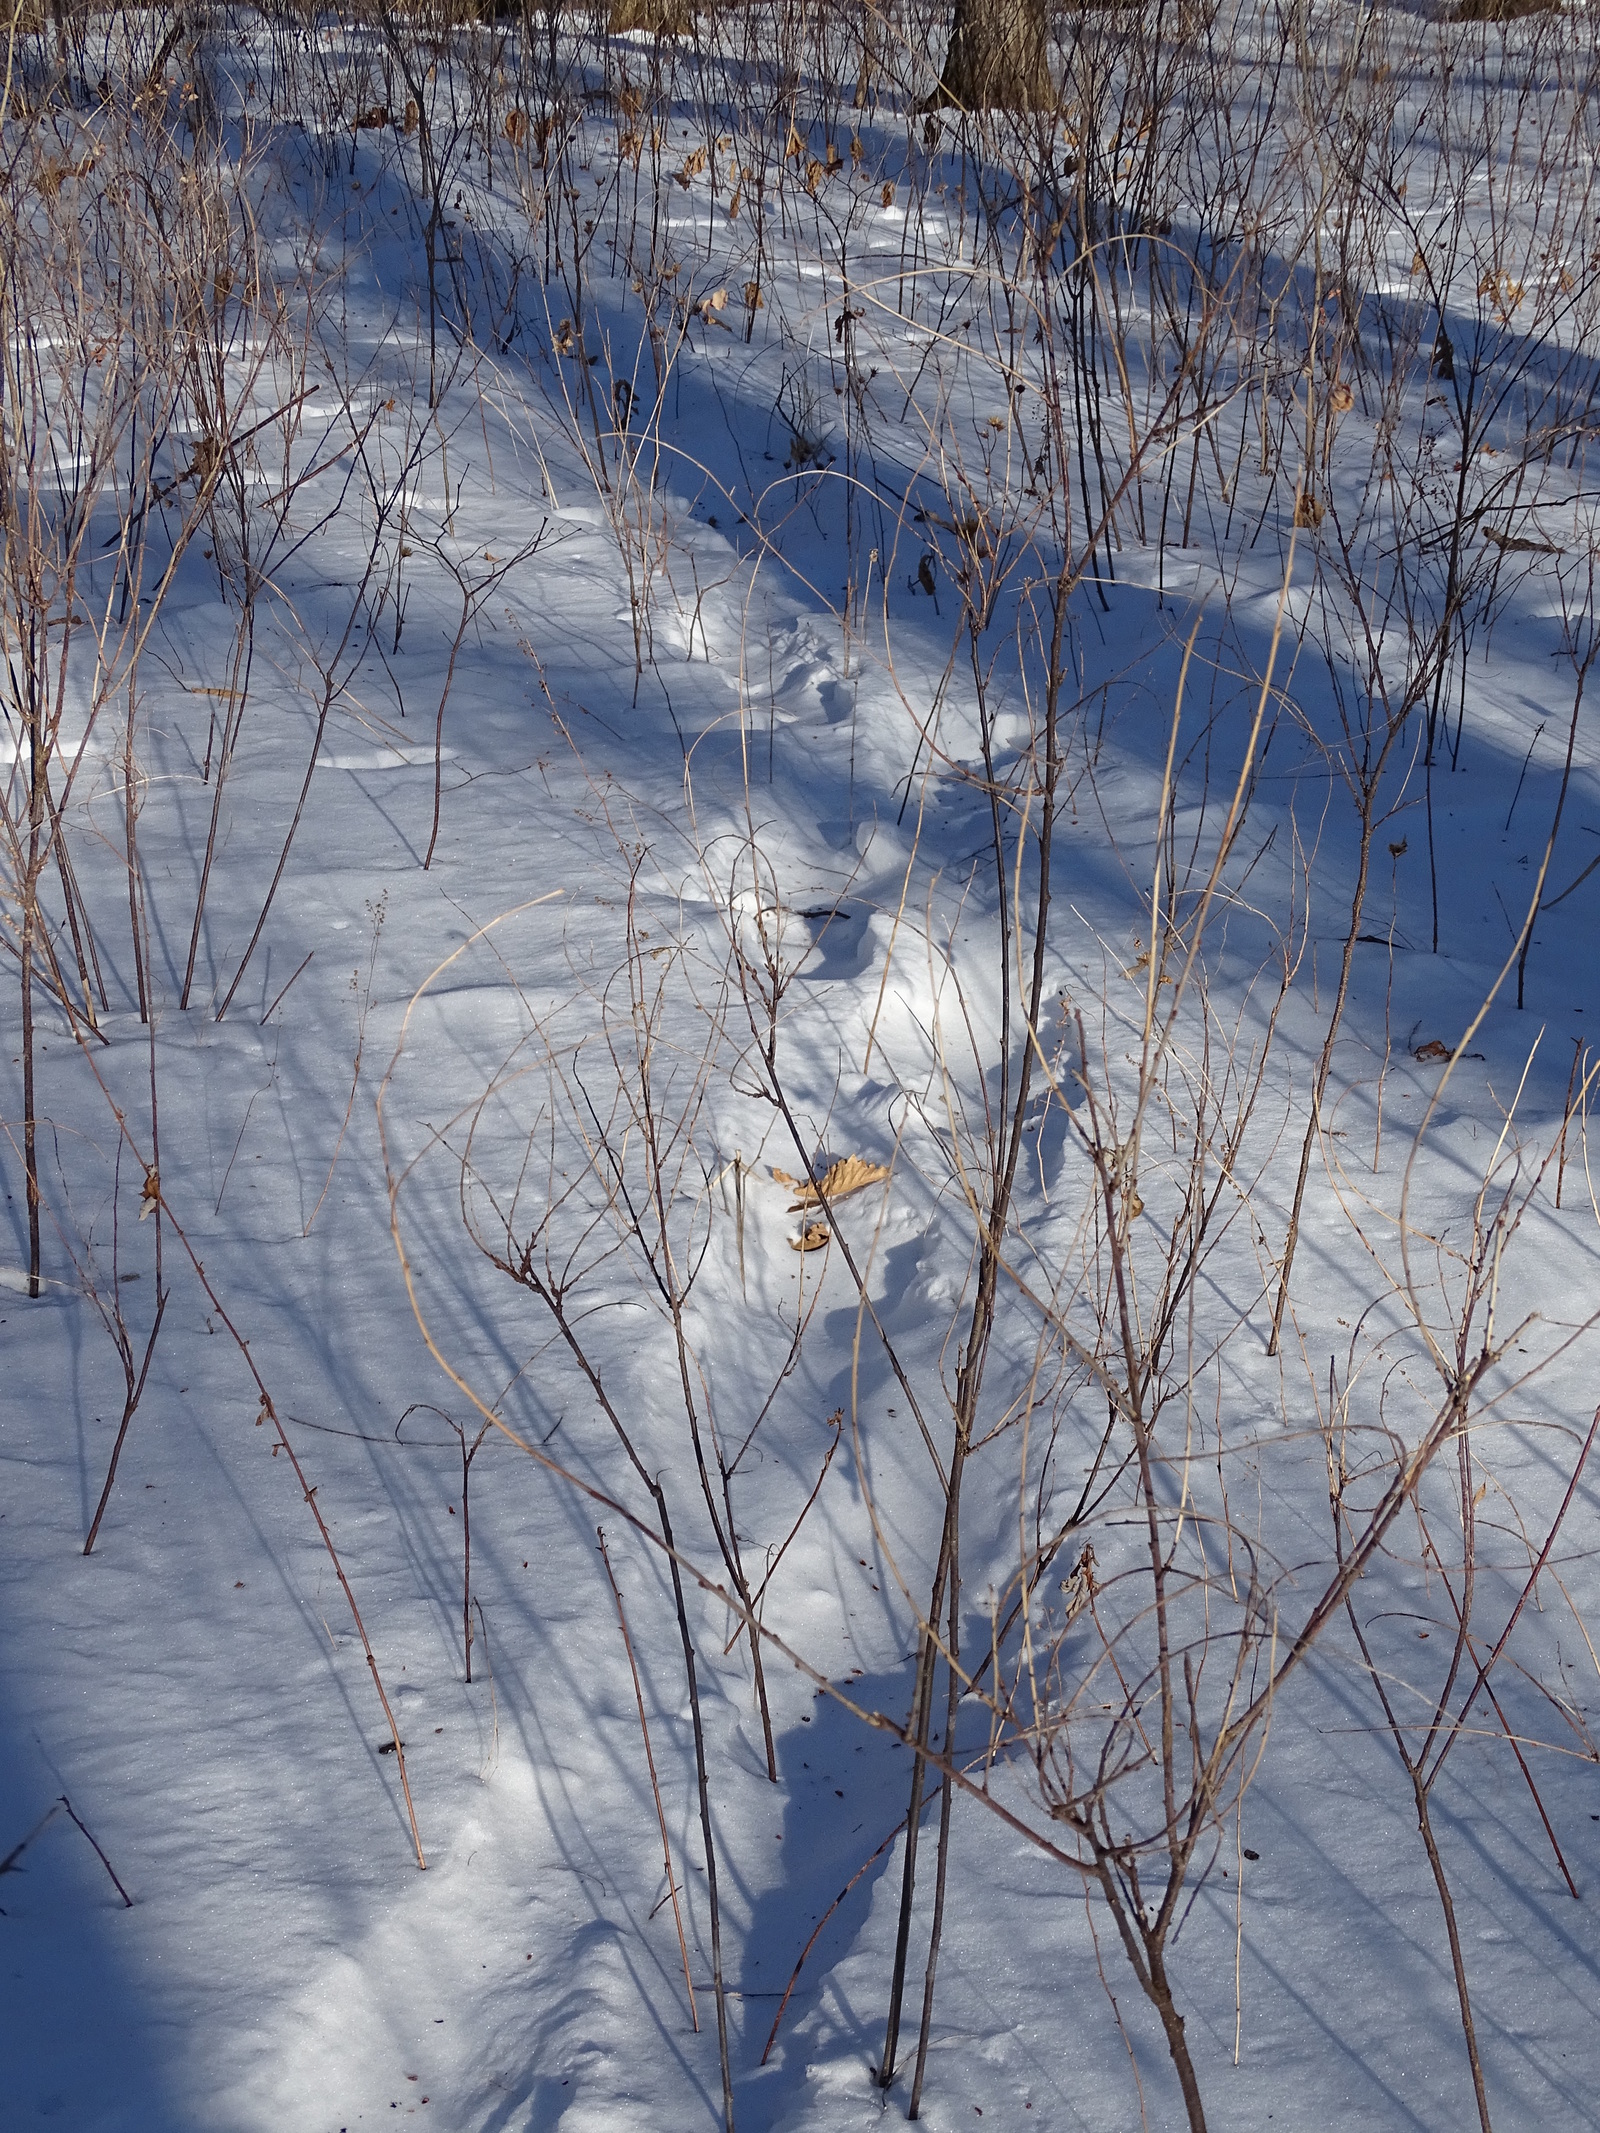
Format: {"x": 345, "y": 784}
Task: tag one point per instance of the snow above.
{"x": 711, "y": 762}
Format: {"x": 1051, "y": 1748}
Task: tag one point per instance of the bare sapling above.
{"x": 1427, "y": 1723}
{"x": 475, "y": 588}
{"x": 153, "y": 1195}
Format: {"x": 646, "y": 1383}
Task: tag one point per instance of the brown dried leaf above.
{"x": 1433, "y": 1049}
{"x": 1519, "y": 543}
{"x": 811, "y": 1239}
{"x": 852, "y": 1173}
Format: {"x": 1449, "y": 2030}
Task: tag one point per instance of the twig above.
{"x": 99, "y": 1854}
{"x": 1522, "y": 1765}
{"x": 1566, "y": 1118}
{"x": 1487, "y": 1666}
{"x": 8, "y": 1865}
{"x": 655, "y": 1787}
{"x": 135, "y": 1394}
{"x": 278, "y": 1002}
{"x": 494, "y": 1701}
{"x": 794, "y": 1975}
{"x": 355, "y": 1072}
{"x": 268, "y": 1412}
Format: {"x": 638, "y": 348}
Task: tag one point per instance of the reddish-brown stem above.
{"x": 134, "y": 1395}
{"x": 79, "y": 1823}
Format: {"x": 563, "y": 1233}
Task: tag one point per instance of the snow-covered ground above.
{"x": 580, "y": 745}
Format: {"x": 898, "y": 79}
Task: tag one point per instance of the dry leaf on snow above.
{"x": 811, "y": 1239}
{"x": 850, "y": 1174}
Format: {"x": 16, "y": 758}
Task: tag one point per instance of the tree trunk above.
{"x": 998, "y": 58}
